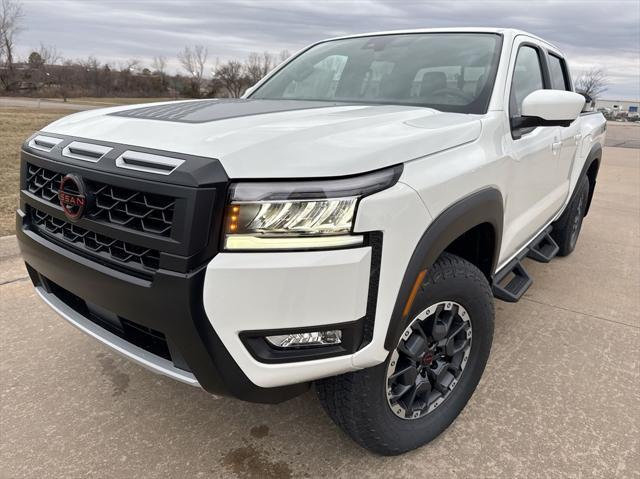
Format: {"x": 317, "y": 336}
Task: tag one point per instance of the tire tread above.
{"x": 561, "y": 231}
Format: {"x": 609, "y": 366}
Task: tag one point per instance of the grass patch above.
{"x": 16, "y": 125}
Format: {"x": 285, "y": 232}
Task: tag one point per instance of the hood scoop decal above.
{"x": 202, "y": 111}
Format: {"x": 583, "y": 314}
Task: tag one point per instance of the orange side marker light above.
{"x": 414, "y": 292}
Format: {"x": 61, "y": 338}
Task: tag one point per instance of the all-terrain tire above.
{"x": 567, "y": 228}
{"x": 357, "y": 401}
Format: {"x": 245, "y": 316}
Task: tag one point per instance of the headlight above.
{"x": 299, "y": 215}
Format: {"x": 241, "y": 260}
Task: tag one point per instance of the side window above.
{"x": 557, "y": 72}
{"x": 527, "y": 78}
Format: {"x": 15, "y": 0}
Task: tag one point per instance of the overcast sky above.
{"x": 591, "y": 33}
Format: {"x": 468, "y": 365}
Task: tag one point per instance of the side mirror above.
{"x": 549, "y": 108}
{"x": 588, "y": 101}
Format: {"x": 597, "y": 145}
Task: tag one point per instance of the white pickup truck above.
{"x": 345, "y": 224}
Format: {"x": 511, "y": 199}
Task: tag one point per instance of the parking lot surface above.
{"x": 560, "y": 395}
{"x": 623, "y": 134}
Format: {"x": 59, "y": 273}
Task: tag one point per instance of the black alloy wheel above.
{"x": 429, "y": 360}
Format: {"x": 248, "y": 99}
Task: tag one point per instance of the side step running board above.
{"x": 544, "y": 248}
{"x": 511, "y": 290}
{"x": 512, "y": 281}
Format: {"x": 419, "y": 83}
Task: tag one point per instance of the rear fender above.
{"x": 595, "y": 155}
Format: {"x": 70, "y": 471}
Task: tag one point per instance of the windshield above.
{"x": 446, "y": 71}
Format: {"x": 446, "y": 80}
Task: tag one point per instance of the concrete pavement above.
{"x": 560, "y": 395}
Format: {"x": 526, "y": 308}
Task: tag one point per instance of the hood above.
{"x": 279, "y": 139}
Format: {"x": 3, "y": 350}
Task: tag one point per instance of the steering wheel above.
{"x": 453, "y": 92}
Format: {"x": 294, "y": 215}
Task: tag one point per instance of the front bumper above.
{"x": 171, "y": 303}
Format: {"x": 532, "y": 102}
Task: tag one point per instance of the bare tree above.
{"x": 91, "y": 63}
{"x": 257, "y": 66}
{"x": 160, "y": 65}
{"x": 194, "y": 61}
{"x": 231, "y": 76}
{"x": 160, "y": 68}
{"x": 50, "y": 57}
{"x": 65, "y": 79}
{"x": 49, "y": 54}
{"x": 284, "y": 55}
{"x": 215, "y": 87}
{"x": 592, "y": 82}
{"x": 11, "y": 15}
{"x": 129, "y": 66}
{"x": 90, "y": 75}
{"x": 126, "y": 81}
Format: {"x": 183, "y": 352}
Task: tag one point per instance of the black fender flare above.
{"x": 594, "y": 155}
{"x": 483, "y": 206}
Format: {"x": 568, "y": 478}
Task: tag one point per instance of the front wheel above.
{"x": 432, "y": 372}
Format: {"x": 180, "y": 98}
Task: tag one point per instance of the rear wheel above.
{"x": 432, "y": 372}
{"x": 567, "y": 228}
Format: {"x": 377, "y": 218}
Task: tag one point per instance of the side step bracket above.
{"x": 543, "y": 249}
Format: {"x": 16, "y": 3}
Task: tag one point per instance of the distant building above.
{"x": 616, "y": 107}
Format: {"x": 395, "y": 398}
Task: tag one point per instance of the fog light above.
{"x": 315, "y": 338}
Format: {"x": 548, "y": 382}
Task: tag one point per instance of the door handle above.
{"x": 555, "y": 147}
{"x": 578, "y": 137}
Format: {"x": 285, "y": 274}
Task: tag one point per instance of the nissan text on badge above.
{"x": 345, "y": 225}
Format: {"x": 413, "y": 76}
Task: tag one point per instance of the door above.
{"x": 570, "y": 136}
{"x": 534, "y": 190}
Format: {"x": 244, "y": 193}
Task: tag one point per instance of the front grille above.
{"x": 43, "y": 183}
{"x": 136, "y": 210}
{"x": 133, "y": 222}
{"x": 93, "y": 243}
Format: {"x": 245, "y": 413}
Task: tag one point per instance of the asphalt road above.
{"x": 18, "y": 102}
{"x": 560, "y": 396}
{"x": 623, "y": 134}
